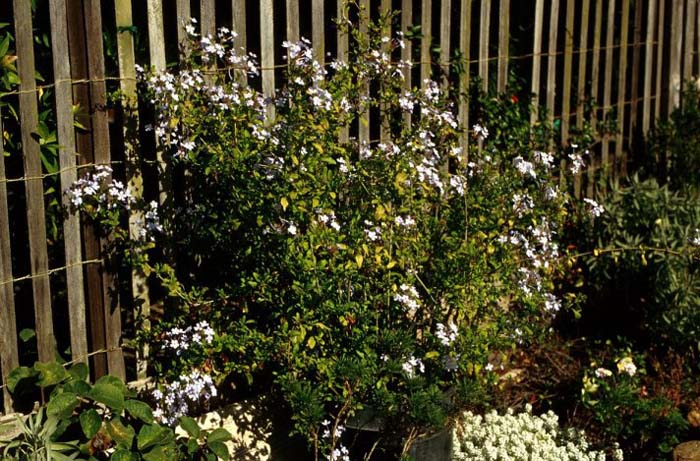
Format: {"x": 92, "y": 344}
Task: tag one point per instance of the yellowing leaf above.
{"x": 359, "y": 260}
{"x": 285, "y": 203}
{"x": 391, "y": 264}
{"x": 311, "y": 343}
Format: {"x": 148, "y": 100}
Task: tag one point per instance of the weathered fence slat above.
{"x": 207, "y": 14}
{"x": 318, "y": 27}
{"x": 184, "y": 14}
{"x": 445, "y": 30}
{"x": 607, "y": 82}
{"x": 91, "y": 244}
{"x": 238, "y": 25}
{"x": 127, "y": 83}
{"x": 385, "y": 117}
{"x": 582, "y": 63}
{"x": 484, "y": 39}
{"x": 552, "y": 59}
{"x": 568, "y": 69}
{"x": 36, "y": 219}
{"x": 9, "y": 356}
{"x": 293, "y": 21}
{"x": 101, "y": 151}
{"x": 689, "y": 39}
{"x": 267, "y": 51}
{"x": 620, "y": 156}
{"x": 503, "y": 44}
{"x": 659, "y": 57}
{"x": 426, "y": 26}
{"x": 406, "y": 52}
{"x": 537, "y": 60}
{"x": 676, "y": 57}
{"x": 67, "y": 162}
{"x": 464, "y": 45}
{"x": 593, "y": 161}
{"x": 343, "y": 51}
{"x": 636, "y": 74}
{"x": 648, "y": 66}
{"x": 364, "y": 119}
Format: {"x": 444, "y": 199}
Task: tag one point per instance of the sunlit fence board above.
{"x": 536, "y": 60}
{"x": 464, "y": 45}
{"x": 552, "y": 59}
{"x": 659, "y": 57}
{"x": 36, "y": 218}
{"x": 648, "y": 66}
{"x": 568, "y": 66}
{"x": 484, "y": 40}
{"x": 620, "y": 157}
{"x": 676, "y": 56}
{"x": 318, "y": 25}
{"x": 293, "y": 21}
{"x": 503, "y": 44}
{"x": 607, "y": 82}
{"x": 426, "y": 40}
{"x": 67, "y": 163}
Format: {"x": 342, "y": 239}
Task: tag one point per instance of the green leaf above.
{"x": 164, "y": 453}
{"x": 81, "y": 388}
{"x": 62, "y": 405}
{"x": 26, "y": 334}
{"x": 90, "y": 422}
{"x": 219, "y": 435}
{"x": 219, "y": 449}
{"x": 123, "y": 455}
{"x": 79, "y": 371}
{"x": 109, "y": 395}
{"x": 50, "y": 373}
{"x": 190, "y": 426}
{"x": 139, "y": 410}
{"x": 19, "y": 374}
{"x": 152, "y": 434}
{"x": 123, "y": 435}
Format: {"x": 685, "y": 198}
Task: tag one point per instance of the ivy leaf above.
{"x": 123, "y": 435}
{"x": 26, "y": 334}
{"x": 19, "y": 374}
{"x": 151, "y": 435}
{"x": 79, "y": 371}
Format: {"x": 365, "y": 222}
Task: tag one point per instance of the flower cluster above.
{"x": 180, "y": 340}
{"x": 98, "y": 191}
{"x": 594, "y": 208}
{"x": 408, "y": 297}
{"x": 411, "y": 365}
{"x": 332, "y": 436}
{"x": 521, "y": 437}
{"x": 447, "y": 335}
{"x": 179, "y": 396}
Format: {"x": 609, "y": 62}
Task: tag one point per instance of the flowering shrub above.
{"x": 521, "y": 437}
{"x": 352, "y": 273}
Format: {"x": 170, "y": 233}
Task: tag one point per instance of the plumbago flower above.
{"x": 351, "y": 270}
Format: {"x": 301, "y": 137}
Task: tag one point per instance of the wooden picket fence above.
{"x": 630, "y": 57}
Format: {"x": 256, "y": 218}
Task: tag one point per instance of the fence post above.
{"x": 318, "y": 29}
{"x": 648, "y": 65}
{"x": 36, "y": 219}
{"x": 620, "y": 157}
{"x": 536, "y": 61}
{"x": 675, "y": 83}
{"x": 465, "y": 29}
{"x": 267, "y": 51}
{"x": 503, "y": 45}
{"x": 607, "y": 89}
{"x": 484, "y": 39}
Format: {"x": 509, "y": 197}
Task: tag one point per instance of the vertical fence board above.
{"x": 674, "y": 90}
{"x": 293, "y": 20}
{"x": 659, "y": 58}
{"x": 445, "y": 30}
{"x": 607, "y": 84}
{"x": 363, "y": 122}
{"x": 67, "y": 163}
{"x": 552, "y": 59}
{"x": 91, "y": 244}
{"x": 597, "y": 52}
{"x": 537, "y": 60}
{"x": 343, "y": 51}
{"x": 238, "y": 25}
{"x": 184, "y": 14}
{"x": 503, "y": 45}
{"x": 207, "y": 14}
{"x": 101, "y": 150}
{"x": 648, "y": 66}
{"x": 484, "y": 36}
{"x": 127, "y": 83}
{"x": 385, "y": 116}
{"x": 318, "y": 26}
{"x": 9, "y": 356}
{"x": 582, "y": 62}
{"x": 689, "y": 40}
{"x": 267, "y": 51}
{"x": 636, "y": 73}
{"x": 426, "y": 41}
{"x": 620, "y": 156}
{"x": 407, "y": 50}
{"x": 29, "y": 118}
{"x": 464, "y": 45}
{"x": 568, "y": 66}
